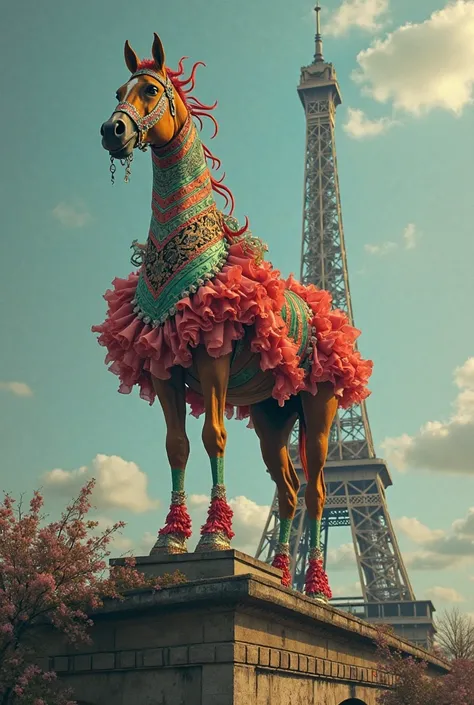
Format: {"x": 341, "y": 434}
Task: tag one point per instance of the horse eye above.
{"x": 151, "y": 90}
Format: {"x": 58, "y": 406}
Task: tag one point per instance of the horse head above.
{"x": 149, "y": 112}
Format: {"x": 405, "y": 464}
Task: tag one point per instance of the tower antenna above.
{"x": 318, "y": 56}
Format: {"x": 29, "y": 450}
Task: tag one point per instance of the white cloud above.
{"x": 19, "y": 389}
{"x": 72, "y": 215}
{"x": 358, "y": 125}
{"x": 444, "y": 594}
{"x": 430, "y": 560}
{"x": 364, "y": 14}
{"x": 409, "y": 240}
{"x": 341, "y": 558}
{"x": 416, "y": 531}
{"x": 465, "y": 527}
{"x": 464, "y": 375}
{"x": 347, "y": 590}
{"x": 423, "y": 66}
{"x": 439, "y": 549}
{"x": 445, "y": 446}
{"x": 411, "y": 236}
{"x": 120, "y": 484}
{"x": 383, "y": 249}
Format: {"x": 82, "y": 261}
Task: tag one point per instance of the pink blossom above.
{"x": 53, "y": 573}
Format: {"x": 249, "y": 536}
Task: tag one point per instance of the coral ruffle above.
{"x": 242, "y": 294}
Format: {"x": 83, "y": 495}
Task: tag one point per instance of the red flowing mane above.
{"x": 184, "y": 87}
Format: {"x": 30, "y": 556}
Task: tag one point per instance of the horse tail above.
{"x": 302, "y": 444}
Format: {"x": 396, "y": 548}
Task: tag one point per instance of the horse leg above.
{"x": 273, "y": 425}
{"x": 318, "y": 413}
{"x": 216, "y": 533}
{"x": 171, "y": 393}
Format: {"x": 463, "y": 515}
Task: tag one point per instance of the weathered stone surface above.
{"x": 224, "y": 640}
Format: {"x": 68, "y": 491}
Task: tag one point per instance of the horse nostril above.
{"x": 102, "y": 131}
{"x": 119, "y": 127}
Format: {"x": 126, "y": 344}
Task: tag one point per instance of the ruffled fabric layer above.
{"x": 243, "y": 294}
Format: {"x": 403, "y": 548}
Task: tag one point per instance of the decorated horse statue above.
{"x": 205, "y": 320}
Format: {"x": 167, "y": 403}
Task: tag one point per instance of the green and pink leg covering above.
{"x": 316, "y": 584}
{"x": 177, "y": 529}
{"x": 216, "y": 533}
{"x": 281, "y": 559}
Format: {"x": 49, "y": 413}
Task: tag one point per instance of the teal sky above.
{"x": 66, "y": 234}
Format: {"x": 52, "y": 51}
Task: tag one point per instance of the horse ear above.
{"x": 158, "y": 52}
{"x": 131, "y": 59}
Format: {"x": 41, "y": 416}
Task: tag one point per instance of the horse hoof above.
{"x": 318, "y": 597}
{"x": 216, "y": 541}
{"x": 169, "y": 544}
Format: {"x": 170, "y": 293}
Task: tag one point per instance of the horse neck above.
{"x": 182, "y": 188}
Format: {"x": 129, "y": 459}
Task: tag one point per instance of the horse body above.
{"x": 208, "y": 321}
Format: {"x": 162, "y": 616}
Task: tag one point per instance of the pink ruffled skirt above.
{"x": 242, "y": 294}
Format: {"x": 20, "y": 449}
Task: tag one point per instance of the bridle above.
{"x": 145, "y": 123}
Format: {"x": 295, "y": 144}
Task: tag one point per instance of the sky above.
{"x": 405, "y": 154}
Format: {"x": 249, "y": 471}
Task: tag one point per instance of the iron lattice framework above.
{"x": 355, "y": 479}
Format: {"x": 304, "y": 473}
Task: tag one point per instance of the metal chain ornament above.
{"x": 143, "y": 124}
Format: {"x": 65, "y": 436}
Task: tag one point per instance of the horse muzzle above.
{"x": 119, "y": 135}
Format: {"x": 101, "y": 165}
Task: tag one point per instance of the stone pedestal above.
{"x": 230, "y": 636}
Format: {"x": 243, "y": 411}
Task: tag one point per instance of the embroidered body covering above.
{"x": 186, "y": 245}
{"x": 202, "y": 281}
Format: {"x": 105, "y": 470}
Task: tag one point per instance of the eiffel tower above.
{"x": 356, "y": 479}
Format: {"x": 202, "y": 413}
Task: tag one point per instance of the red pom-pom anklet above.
{"x": 282, "y": 562}
{"x": 317, "y": 585}
{"x": 177, "y": 529}
{"x": 216, "y": 533}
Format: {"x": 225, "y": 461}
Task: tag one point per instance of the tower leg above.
{"x": 273, "y": 425}
{"x": 177, "y": 529}
{"x": 216, "y": 534}
{"x": 319, "y": 412}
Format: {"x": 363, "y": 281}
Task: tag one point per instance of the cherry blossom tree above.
{"x": 413, "y": 685}
{"x": 53, "y": 574}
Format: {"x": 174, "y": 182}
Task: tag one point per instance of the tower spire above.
{"x": 318, "y": 55}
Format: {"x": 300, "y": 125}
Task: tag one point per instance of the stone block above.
{"x": 264, "y": 656}
{"x": 202, "y": 653}
{"x": 201, "y": 566}
{"x": 103, "y": 662}
{"x": 274, "y": 658}
{"x": 217, "y": 684}
{"x": 230, "y": 653}
{"x": 61, "y": 664}
{"x": 303, "y": 663}
{"x": 311, "y": 664}
{"x": 178, "y": 655}
{"x": 126, "y": 659}
{"x": 83, "y": 662}
{"x": 252, "y": 654}
{"x": 284, "y": 660}
{"x": 152, "y": 657}
{"x": 218, "y": 627}
{"x": 294, "y": 662}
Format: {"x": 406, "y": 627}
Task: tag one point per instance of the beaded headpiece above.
{"x": 145, "y": 123}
